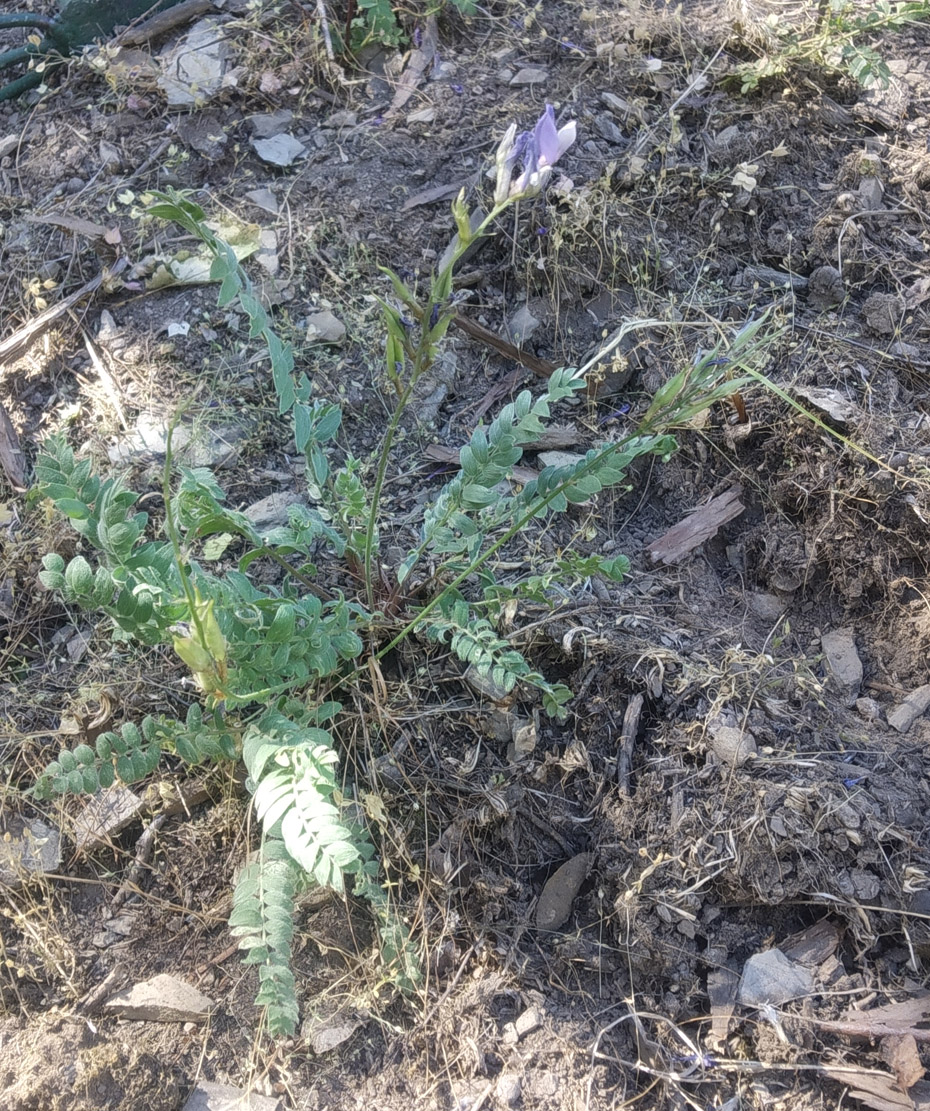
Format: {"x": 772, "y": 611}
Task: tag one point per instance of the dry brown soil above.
{"x": 685, "y": 196}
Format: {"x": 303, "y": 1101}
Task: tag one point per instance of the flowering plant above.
{"x": 539, "y": 150}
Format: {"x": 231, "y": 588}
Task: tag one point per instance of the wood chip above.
{"x": 910, "y": 1017}
{"x": 700, "y": 526}
{"x": 420, "y": 61}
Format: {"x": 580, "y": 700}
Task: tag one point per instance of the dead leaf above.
{"x": 74, "y": 224}
{"x": 438, "y": 193}
{"x": 419, "y": 62}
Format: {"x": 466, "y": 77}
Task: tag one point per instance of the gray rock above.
{"x": 832, "y": 404}
{"x": 522, "y": 325}
{"x": 272, "y": 511}
{"x": 327, "y": 1032}
{"x": 28, "y": 849}
{"x": 771, "y": 978}
{"x": 265, "y": 199}
{"x": 280, "y": 150}
{"x": 325, "y": 327}
{"x": 164, "y": 998}
{"x": 843, "y": 663}
{"x": 730, "y": 744}
{"x": 508, "y": 1088}
{"x": 559, "y": 458}
{"x": 902, "y": 717}
{"x": 341, "y": 118}
{"x": 529, "y": 1021}
{"x": 607, "y": 129}
{"x": 555, "y": 903}
{"x": 871, "y": 194}
{"x": 269, "y": 124}
{"x": 107, "y": 813}
{"x": 193, "y": 67}
{"x": 767, "y": 606}
{"x": 530, "y": 75}
{"x": 869, "y": 709}
{"x": 8, "y": 144}
{"x": 223, "y": 1097}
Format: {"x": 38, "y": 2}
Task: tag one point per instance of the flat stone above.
{"x": 843, "y": 663}
{"x": 508, "y": 1088}
{"x": 105, "y": 815}
{"x": 607, "y": 129}
{"x": 522, "y": 325}
{"x": 164, "y": 998}
{"x": 559, "y": 458}
{"x": 767, "y": 606}
{"x": 341, "y": 118}
{"x": 272, "y": 511}
{"x": 28, "y": 849}
{"x": 265, "y": 199}
{"x": 732, "y": 745}
{"x": 529, "y": 1021}
{"x": 871, "y": 194}
{"x": 530, "y": 75}
{"x": 771, "y": 978}
{"x": 193, "y": 68}
{"x": 268, "y": 124}
{"x": 223, "y": 1097}
{"x": 325, "y": 327}
{"x": 903, "y": 716}
{"x": 555, "y": 903}
{"x": 279, "y": 150}
{"x": 832, "y": 404}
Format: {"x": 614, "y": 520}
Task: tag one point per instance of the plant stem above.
{"x": 421, "y": 362}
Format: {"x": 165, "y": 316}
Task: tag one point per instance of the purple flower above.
{"x": 539, "y": 150}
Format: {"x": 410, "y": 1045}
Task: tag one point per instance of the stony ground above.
{"x": 711, "y": 887}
